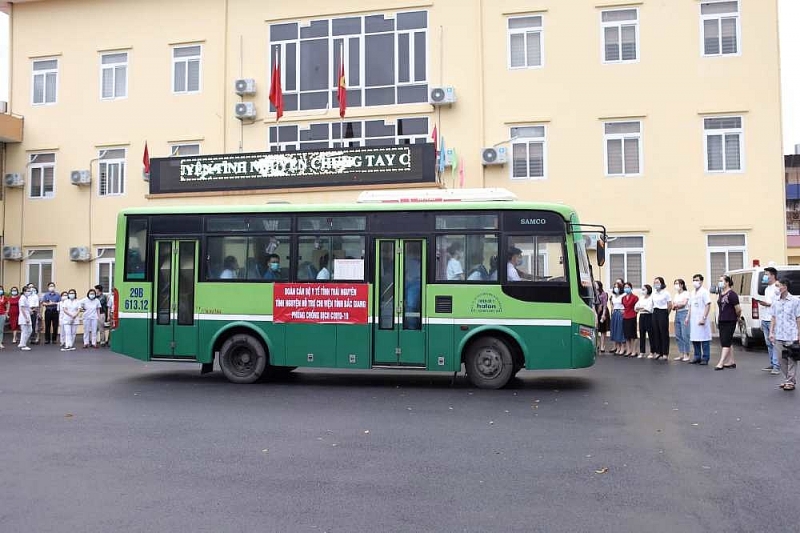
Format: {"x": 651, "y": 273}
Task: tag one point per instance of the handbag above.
{"x": 792, "y": 351}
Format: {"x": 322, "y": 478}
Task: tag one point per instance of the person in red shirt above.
{"x": 629, "y": 319}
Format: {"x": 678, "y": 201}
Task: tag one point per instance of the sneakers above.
{"x": 775, "y": 371}
{"x": 25, "y": 348}
{"x": 768, "y": 369}
{"x": 64, "y": 350}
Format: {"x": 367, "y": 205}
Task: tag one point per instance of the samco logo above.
{"x": 486, "y": 303}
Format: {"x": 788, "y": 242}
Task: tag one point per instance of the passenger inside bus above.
{"x": 513, "y": 272}
{"x": 273, "y": 271}
{"x": 230, "y": 268}
{"x": 324, "y": 273}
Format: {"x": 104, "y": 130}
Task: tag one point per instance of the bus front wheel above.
{"x": 489, "y": 363}
{"x": 243, "y": 359}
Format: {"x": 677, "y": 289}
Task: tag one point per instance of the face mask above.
{"x": 644, "y": 291}
{"x": 91, "y": 296}
{"x": 275, "y": 267}
{"x": 721, "y": 284}
{"x": 51, "y": 289}
{"x": 697, "y": 284}
{"x": 72, "y": 296}
{"x": 627, "y": 290}
{"x": 14, "y": 293}
{"x": 657, "y": 286}
{"x": 677, "y": 287}
{"x": 33, "y": 291}
{"x": 765, "y": 278}
{"x": 616, "y": 290}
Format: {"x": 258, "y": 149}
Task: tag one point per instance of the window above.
{"x": 114, "y": 75}
{"x": 112, "y": 172}
{"x": 525, "y": 42}
{"x": 105, "y": 268}
{"x": 725, "y": 252}
{"x": 184, "y": 150}
{"x": 623, "y": 148}
{"x": 535, "y": 258}
{"x": 186, "y": 71}
{"x": 248, "y": 258}
{"x": 385, "y": 58}
{"x": 351, "y": 134}
{"x": 136, "y": 250}
{"x": 42, "y": 169}
{"x": 720, "y": 28}
{"x": 318, "y": 257}
{"x": 620, "y": 35}
{"x": 723, "y": 140}
{"x": 466, "y": 258}
{"x": 528, "y": 149}
{"x": 626, "y": 259}
{"x": 39, "y": 265}
{"x": 45, "y": 81}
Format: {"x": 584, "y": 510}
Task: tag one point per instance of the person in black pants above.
{"x": 50, "y": 301}
{"x": 662, "y": 306}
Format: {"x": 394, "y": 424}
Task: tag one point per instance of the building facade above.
{"x": 659, "y": 119}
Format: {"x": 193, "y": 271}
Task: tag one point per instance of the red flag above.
{"x": 146, "y": 159}
{"x": 342, "y": 86}
{"x": 435, "y": 136}
{"x": 275, "y": 90}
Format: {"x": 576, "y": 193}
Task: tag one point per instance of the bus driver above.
{"x": 515, "y": 260}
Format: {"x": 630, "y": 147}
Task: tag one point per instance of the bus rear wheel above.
{"x": 489, "y": 363}
{"x": 243, "y": 359}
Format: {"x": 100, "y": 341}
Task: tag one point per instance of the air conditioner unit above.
{"x": 12, "y": 253}
{"x": 80, "y": 253}
{"x": 13, "y": 180}
{"x": 245, "y": 110}
{"x": 245, "y": 86}
{"x": 442, "y": 96}
{"x": 494, "y": 156}
{"x": 80, "y": 177}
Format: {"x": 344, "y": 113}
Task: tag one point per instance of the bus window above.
{"x": 536, "y": 258}
{"x": 471, "y": 221}
{"x": 323, "y": 223}
{"x": 466, "y": 258}
{"x": 586, "y": 285}
{"x": 317, "y": 255}
{"x": 247, "y": 258}
{"x": 136, "y": 250}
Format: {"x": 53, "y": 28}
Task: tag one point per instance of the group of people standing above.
{"x": 30, "y": 314}
{"x": 628, "y": 317}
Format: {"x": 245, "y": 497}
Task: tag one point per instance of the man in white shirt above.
{"x": 513, "y": 273}
{"x": 765, "y": 312}
{"x": 784, "y": 331}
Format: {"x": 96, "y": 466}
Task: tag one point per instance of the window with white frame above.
{"x": 105, "y": 268}
{"x": 186, "y": 68}
{"x": 41, "y": 173}
{"x": 321, "y": 135}
{"x": 725, "y": 252}
{"x": 114, "y": 75}
{"x": 112, "y": 172}
{"x": 39, "y": 267}
{"x": 525, "y": 42}
{"x": 185, "y": 150}
{"x": 626, "y": 259}
{"x": 720, "y": 27}
{"x": 620, "y": 35}
{"x": 623, "y": 148}
{"x": 385, "y": 58}
{"x": 528, "y": 148}
{"x": 45, "y": 81}
{"x": 724, "y": 138}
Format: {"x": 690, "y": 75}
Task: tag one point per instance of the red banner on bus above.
{"x": 321, "y": 303}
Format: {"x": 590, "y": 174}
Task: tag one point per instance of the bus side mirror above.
{"x": 601, "y": 252}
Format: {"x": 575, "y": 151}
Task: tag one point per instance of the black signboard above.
{"x": 534, "y": 222}
{"x": 413, "y": 163}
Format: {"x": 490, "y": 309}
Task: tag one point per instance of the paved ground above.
{"x": 95, "y": 442}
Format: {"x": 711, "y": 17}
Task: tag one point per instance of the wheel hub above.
{"x": 490, "y": 363}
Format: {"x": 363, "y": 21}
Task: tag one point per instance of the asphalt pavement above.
{"x": 91, "y": 441}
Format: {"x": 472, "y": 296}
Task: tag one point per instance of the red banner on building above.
{"x": 321, "y": 303}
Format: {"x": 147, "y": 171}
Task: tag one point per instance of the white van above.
{"x": 748, "y": 282}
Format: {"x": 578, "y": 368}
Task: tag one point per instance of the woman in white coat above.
{"x": 70, "y": 309}
{"x": 91, "y": 312}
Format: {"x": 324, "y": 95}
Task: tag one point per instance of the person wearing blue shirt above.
{"x": 273, "y": 272}
{"x": 50, "y": 301}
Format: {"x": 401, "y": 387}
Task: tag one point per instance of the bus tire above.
{"x": 243, "y": 359}
{"x": 489, "y": 363}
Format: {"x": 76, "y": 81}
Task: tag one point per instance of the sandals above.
{"x": 788, "y": 386}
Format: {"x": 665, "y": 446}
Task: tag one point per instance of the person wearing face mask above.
{"x": 662, "y": 307}
{"x": 25, "y": 320}
{"x": 513, "y": 272}
{"x": 629, "y": 319}
{"x": 601, "y": 310}
{"x": 617, "y": 333}
{"x": 771, "y": 293}
{"x": 680, "y": 304}
{"x": 50, "y": 302}
{"x": 455, "y": 270}
{"x": 70, "y": 308}
{"x": 3, "y": 314}
{"x": 644, "y": 308}
{"x": 697, "y": 320}
{"x": 35, "y": 303}
{"x": 62, "y": 318}
{"x": 783, "y": 331}
{"x": 729, "y": 313}
{"x": 91, "y": 312}
{"x": 13, "y": 313}
{"x": 273, "y": 272}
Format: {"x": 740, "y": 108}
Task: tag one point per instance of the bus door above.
{"x": 175, "y": 329}
{"x": 399, "y": 304}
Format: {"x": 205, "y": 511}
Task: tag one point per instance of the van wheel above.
{"x": 489, "y": 363}
{"x": 747, "y": 342}
{"x": 243, "y": 359}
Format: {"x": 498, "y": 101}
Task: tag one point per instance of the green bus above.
{"x": 412, "y": 280}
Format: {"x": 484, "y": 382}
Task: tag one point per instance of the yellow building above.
{"x": 659, "y": 119}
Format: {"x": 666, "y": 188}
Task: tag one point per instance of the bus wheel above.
{"x": 243, "y": 359}
{"x": 489, "y": 363}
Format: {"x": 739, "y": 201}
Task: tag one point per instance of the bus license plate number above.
{"x": 136, "y": 302}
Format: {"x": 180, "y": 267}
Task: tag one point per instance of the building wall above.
{"x": 674, "y": 203}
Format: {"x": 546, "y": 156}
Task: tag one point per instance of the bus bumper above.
{"x": 584, "y": 350}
